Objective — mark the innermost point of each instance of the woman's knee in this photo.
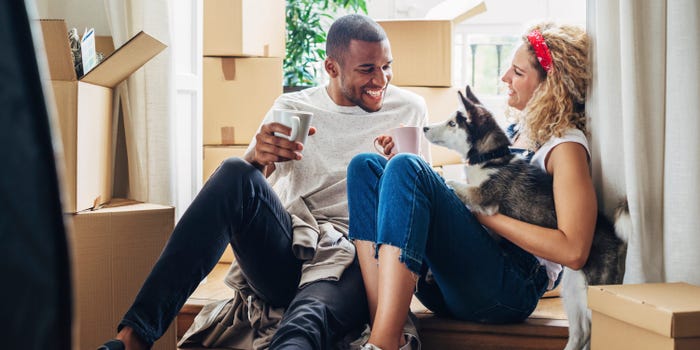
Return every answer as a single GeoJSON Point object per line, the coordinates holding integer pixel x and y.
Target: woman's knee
{"type": "Point", "coordinates": [405, 161]}
{"type": "Point", "coordinates": [365, 163]}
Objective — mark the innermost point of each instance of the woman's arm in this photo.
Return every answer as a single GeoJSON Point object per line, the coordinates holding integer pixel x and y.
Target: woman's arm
{"type": "Point", "coordinates": [576, 207]}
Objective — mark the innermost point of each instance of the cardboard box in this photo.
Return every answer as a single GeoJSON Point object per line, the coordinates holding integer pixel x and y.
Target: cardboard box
{"type": "Point", "coordinates": [422, 48]}
{"type": "Point", "coordinates": [441, 102]}
{"type": "Point", "coordinates": [114, 250]}
{"type": "Point", "coordinates": [214, 155]}
{"type": "Point", "coordinates": [244, 28]}
{"type": "Point", "coordinates": [84, 106]}
{"type": "Point", "coordinates": [655, 316]}
{"type": "Point", "coordinates": [237, 94]}
{"type": "Point", "coordinates": [104, 44]}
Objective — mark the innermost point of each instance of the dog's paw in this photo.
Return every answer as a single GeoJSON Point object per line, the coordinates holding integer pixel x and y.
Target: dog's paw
{"type": "Point", "coordinates": [485, 210]}
{"type": "Point", "coordinates": [456, 184]}
{"type": "Point", "coordinates": [461, 189]}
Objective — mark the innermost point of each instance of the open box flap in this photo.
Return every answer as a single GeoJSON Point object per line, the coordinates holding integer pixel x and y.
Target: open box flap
{"type": "Point", "coordinates": [124, 61]}
{"type": "Point", "coordinates": [57, 47]}
{"type": "Point", "coordinates": [456, 10]}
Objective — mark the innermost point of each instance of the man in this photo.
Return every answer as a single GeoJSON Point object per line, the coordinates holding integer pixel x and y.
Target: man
{"type": "Point", "coordinates": [259, 204]}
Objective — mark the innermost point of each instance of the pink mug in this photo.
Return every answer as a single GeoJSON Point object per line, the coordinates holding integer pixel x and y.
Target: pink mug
{"type": "Point", "coordinates": [406, 139]}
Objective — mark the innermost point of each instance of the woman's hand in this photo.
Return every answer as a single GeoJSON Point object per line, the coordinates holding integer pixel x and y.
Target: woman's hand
{"type": "Point", "coordinates": [576, 210]}
{"type": "Point", "coordinates": [386, 143]}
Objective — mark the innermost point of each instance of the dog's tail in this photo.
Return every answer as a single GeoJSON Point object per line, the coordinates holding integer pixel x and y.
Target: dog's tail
{"type": "Point", "coordinates": [623, 221]}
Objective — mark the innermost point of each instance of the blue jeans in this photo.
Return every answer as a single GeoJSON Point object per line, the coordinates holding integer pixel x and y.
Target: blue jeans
{"type": "Point", "coordinates": [237, 206]}
{"type": "Point", "coordinates": [404, 203]}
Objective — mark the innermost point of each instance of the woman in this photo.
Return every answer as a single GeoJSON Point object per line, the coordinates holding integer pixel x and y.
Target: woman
{"type": "Point", "coordinates": [405, 221]}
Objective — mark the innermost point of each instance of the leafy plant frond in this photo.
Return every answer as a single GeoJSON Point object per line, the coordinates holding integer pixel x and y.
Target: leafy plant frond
{"type": "Point", "coordinates": [306, 23]}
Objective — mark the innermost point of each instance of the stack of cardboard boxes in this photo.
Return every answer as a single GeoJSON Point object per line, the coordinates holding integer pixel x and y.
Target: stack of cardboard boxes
{"type": "Point", "coordinates": [114, 243]}
{"type": "Point", "coordinates": [242, 75]}
{"type": "Point", "coordinates": [244, 45]}
{"type": "Point", "coordinates": [423, 62]}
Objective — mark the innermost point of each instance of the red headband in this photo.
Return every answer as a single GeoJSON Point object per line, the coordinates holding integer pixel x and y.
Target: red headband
{"type": "Point", "coordinates": [541, 50]}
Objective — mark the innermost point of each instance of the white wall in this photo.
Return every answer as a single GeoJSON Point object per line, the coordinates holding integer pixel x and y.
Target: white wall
{"type": "Point", "coordinates": [77, 13]}
{"type": "Point", "coordinates": [498, 13]}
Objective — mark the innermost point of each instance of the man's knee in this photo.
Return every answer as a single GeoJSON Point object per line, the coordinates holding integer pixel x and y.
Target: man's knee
{"type": "Point", "coordinates": [234, 170]}
{"type": "Point", "coordinates": [236, 166]}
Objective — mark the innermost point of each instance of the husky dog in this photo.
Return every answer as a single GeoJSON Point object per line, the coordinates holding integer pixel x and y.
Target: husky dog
{"type": "Point", "coordinates": [500, 182]}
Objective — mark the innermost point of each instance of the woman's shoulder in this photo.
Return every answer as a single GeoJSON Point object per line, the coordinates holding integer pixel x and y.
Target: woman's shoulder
{"type": "Point", "coordinates": [570, 135]}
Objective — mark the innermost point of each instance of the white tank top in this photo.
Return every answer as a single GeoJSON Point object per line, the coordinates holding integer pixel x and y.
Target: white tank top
{"type": "Point", "coordinates": [571, 135]}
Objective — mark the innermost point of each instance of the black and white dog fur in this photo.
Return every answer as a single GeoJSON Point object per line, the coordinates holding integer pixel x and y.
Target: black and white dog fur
{"type": "Point", "coordinates": [500, 182]}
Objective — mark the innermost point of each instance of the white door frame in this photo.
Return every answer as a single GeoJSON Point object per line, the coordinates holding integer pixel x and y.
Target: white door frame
{"type": "Point", "coordinates": [187, 102]}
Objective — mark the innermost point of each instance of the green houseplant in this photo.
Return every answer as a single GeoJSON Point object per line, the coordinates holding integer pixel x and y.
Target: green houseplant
{"type": "Point", "coordinates": [307, 22]}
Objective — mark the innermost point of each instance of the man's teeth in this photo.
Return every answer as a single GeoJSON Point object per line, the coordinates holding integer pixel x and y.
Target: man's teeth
{"type": "Point", "coordinates": [374, 93]}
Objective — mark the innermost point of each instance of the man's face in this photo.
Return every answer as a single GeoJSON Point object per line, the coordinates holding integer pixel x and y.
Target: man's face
{"type": "Point", "coordinates": [364, 73]}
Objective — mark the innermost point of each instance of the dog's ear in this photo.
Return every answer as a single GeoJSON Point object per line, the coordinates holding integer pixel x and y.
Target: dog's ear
{"type": "Point", "coordinates": [469, 107]}
{"type": "Point", "coordinates": [471, 96]}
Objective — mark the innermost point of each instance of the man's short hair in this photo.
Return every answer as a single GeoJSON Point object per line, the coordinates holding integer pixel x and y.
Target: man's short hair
{"type": "Point", "coordinates": [351, 27]}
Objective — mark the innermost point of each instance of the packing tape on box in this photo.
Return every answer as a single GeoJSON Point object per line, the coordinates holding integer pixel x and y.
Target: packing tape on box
{"type": "Point", "coordinates": [228, 67]}
{"type": "Point", "coordinates": [228, 135]}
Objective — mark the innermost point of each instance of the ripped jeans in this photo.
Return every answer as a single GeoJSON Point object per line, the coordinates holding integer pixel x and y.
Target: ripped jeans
{"type": "Point", "coordinates": [405, 203]}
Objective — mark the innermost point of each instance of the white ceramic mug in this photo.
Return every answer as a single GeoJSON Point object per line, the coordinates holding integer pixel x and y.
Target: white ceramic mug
{"type": "Point", "coordinates": [406, 139]}
{"type": "Point", "coordinates": [298, 121]}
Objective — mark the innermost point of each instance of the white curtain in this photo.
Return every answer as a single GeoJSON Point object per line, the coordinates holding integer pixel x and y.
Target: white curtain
{"type": "Point", "coordinates": [146, 97]}
{"type": "Point", "coordinates": [645, 118]}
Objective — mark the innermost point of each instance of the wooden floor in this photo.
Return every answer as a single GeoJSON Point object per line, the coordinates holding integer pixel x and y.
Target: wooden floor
{"type": "Point", "coordinates": [547, 327]}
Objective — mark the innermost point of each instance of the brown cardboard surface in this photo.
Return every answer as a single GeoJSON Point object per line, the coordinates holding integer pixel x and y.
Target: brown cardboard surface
{"type": "Point", "coordinates": [94, 146]}
{"type": "Point", "coordinates": [441, 102]}
{"type": "Point", "coordinates": [85, 111]}
{"type": "Point", "coordinates": [611, 333]}
{"type": "Point", "coordinates": [239, 99]}
{"type": "Point", "coordinates": [111, 71]}
{"type": "Point", "coordinates": [124, 61]}
{"type": "Point", "coordinates": [668, 309]}
{"type": "Point", "coordinates": [235, 28]}
{"type": "Point", "coordinates": [66, 97]}
{"type": "Point", "coordinates": [57, 48]}
{"type": "Point", "coordinates": [104, 44]}
{"type": "Point", "coordinates": [422, 51]}
{"type": "Point", "coordinates": [114, 249]}
{"type": "Point", "coordinates": [214, 155]}
{"type": "Point", "coordinates": [422, 48]}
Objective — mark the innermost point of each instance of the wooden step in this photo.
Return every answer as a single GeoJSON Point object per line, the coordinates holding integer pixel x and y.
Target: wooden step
{"type": "Point", "coordinates": [546, 328]}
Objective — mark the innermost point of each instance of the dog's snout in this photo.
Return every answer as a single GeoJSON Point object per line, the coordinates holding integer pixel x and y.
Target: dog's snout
{"type": "Point", "coordinates": [425, 128]}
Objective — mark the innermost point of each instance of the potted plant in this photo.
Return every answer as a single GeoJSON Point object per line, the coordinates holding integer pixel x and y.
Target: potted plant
{"type": "Point", "coordinates": [307, 22]}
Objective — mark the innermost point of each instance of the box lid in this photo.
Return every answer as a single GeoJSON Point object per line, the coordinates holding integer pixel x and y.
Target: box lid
{"type": "Point", "coordinates": [111, 71]}
{"type": "Point", "coordinates": [669, 309]}
{"type": "Point", "coordinates": [124, 61]}
{"type": "Point", "coordinates": [456, 10]}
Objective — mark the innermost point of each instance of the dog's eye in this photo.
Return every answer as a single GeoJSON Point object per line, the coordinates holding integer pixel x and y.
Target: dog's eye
{"type": "Point", "coordinates": [452, 123]}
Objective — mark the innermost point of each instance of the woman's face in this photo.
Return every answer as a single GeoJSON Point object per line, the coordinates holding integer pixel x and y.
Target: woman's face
{"type": "Point", "coordinates": [522, 78]}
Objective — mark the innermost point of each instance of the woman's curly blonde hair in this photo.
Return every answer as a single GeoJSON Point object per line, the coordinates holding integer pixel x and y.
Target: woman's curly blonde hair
{"type": "Point", "coordinates": [558, 102]}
